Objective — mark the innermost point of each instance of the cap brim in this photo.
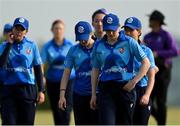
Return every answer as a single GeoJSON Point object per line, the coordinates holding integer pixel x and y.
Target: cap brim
{"type": "Point", "coordinates": [82, 37]}
{"type": "Point", "coordinates": [21, 25]}
{"type": "Point", "coordinates": [112, 28]}
{"type": "Point", "coordinates": [130, 26]}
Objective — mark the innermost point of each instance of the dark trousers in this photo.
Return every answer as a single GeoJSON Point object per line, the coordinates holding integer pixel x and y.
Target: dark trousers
{"type": "Point", "coordinates": [116, 105]}
{"type": "Point", "coordinates": [83, 114]}
{"type": "Point", "coordinates": [159, 94]}
{"type": "Point", "coordinates": [141, 112]}
{"type": "Point", "coordinates": [53, 90]}
{"type": "Point", "coordinates": [18, 104]}
{"type": "Point", "coordinates": [1, 85]}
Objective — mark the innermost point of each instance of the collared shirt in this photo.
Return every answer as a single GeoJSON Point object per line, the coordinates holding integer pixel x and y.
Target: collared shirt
{"type": "Point", "coordinates": [137, 65]}
{"type": "Point", "coordinates": [116, 61]}
{"type": "Point", "coordinates": [22, 57]}
{"type": "Point", "coordinates": [163, 43]}
{"type": "Point", "coordinates": [54, 55]}
{"type": "Point", "coordinates": [79, 57]}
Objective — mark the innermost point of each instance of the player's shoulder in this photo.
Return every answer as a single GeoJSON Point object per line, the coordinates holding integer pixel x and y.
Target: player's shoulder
{"type": "Point", "coordinates": [100, 42]}
{"type": "Point", "coordinates": [74, 48]}
{"type": "Point", "coordinates": [130, 40]}
{"type": "Point", "coordinates": [27, 40]}
{"type": "Point", "coordinates": [146, 49]}
{"type": "Point", "coordinates": [68, 42]}
{"type": "Point", "coordinates": [48, 44]}
{"type": "Point", "coordinates": [3, 43]}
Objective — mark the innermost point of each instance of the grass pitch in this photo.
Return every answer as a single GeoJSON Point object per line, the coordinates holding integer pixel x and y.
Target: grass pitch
{"type": "Point", "coordinates": [44, 117]}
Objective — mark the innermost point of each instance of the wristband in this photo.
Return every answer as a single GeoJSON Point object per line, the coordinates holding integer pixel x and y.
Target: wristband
{"type": "Point", "coordinates": [62, 90]}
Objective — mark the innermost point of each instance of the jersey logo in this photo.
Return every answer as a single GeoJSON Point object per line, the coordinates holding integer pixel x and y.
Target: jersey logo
{"type": "Point", "coordinates": [21, 20]}
{"type": "Point", "coordinates": [121, 50]}
{"type": "Point", "coordinates": [28, 51]}
{"type": "Point", "coordinates": [81, 29]}
{"type": "Point", "coordinates": [130, 20]}
{"type": "Point", "coordinates": [109, 20]}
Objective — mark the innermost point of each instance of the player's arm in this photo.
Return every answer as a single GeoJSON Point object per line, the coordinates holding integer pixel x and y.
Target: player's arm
{"type": "Point", "coordinates": [41, 87]}
{"type": "Point", "coordinates": [142, 72]}
{"type": "Point", "coordinates": [5, 53]}
{"type": "Point", "coordinates": [44, 68]}
{"type": "Point", "coordinates": [150, 84]}
{"type": "Point", "coordinates": [94, 81]}
{"type": "Point", "coordinates": [63, 85]}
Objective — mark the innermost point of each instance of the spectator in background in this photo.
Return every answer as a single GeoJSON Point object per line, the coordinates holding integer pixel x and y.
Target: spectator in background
{"type": "Point", "coordinates": [53, 55]}
{"type": "Point", "coordinates": [163, 45]}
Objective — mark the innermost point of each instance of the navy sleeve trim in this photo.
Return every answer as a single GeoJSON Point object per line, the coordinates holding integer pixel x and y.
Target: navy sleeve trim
{"type": "Point", "coordinates": [39, 78]}
{"type": "Point", "coordinates": [5, 54]}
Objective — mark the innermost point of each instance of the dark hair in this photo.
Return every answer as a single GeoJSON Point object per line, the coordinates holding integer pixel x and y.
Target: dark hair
{"type": "Point", "coordinates": [56, 22]}
{"type": "Point", "coordinates": [158, 16]}
{"type": "Point", "coordinates": [99, 11]}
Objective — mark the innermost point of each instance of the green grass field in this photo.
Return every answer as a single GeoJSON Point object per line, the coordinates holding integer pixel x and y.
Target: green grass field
{"type": "Point", "coordinates": [45, 117]}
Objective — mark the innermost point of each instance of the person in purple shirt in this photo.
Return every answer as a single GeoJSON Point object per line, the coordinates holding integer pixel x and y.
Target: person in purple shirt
{"type": "Point", "coordinates": [164, 49]}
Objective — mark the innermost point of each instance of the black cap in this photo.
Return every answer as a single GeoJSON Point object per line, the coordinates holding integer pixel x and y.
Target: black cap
{"type": "Point", "coordinates": [157, 15]}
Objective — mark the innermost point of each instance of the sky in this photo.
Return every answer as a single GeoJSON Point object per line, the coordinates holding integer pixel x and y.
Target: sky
{"type": "Point", "coordinates": [41, 13]}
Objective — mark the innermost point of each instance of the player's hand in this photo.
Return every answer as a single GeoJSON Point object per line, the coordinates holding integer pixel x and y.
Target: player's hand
{"type": "Point", "coordinates": [10, 38]}
{"type": "Point", "coordinates": [155, 54]}
{"type": "Point", "coordinates": [93, 102]}
{"type": "Point", "coordinates": [62, 103]}
{"type": "Point", "coordinates": [41, 97]}
{"type": "Point", "coordinates": [144, 100]}
{"type": "Point", "coordinates": [129, 86]}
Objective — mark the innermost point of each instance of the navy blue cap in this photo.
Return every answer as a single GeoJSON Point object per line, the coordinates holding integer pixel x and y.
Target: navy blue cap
{"type": "Point", "coordinates": [110, 22]}
{"type": "Point", "coordinates": [21, 21]}
{"type": "Point", "coordinates": [7, 28]}
{"type": "Point", "coordinates": [133, 23]}
{"type": "Point", "coordinates": [82, 31]}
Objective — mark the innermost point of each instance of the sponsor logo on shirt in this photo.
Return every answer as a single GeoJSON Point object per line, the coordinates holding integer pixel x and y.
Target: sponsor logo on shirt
{"type": "Point", "coordinates": [116, 69]}
{"type": "Point", "coordinates": [84, 74]}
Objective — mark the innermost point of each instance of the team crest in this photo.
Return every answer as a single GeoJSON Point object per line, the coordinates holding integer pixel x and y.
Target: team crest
{"type": "Point", "coordinates": [81, 29]}
{"type": "Point", "coordinates": [130, 20]}
{"type": "Point", "coordinates": [109, 20]}
{"type": "Point", "coordinates": [28, 51]}
{"type": "Point", "coordinates": [21, 20]}
{"type": "Point", "coordinates": [121, 50]}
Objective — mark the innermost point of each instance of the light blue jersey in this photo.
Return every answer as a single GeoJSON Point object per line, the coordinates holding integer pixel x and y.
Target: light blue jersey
{"type": "Point", "coordinates": [54, 56]}
{"type": "Point", "coordinates": [116, 61]}
{"type": "Point", "coordinates": [22, 57]}
{"type": "Point", "coordinates": [80, 58]}
{"type": "Point", "coordinates": [137, 65]}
